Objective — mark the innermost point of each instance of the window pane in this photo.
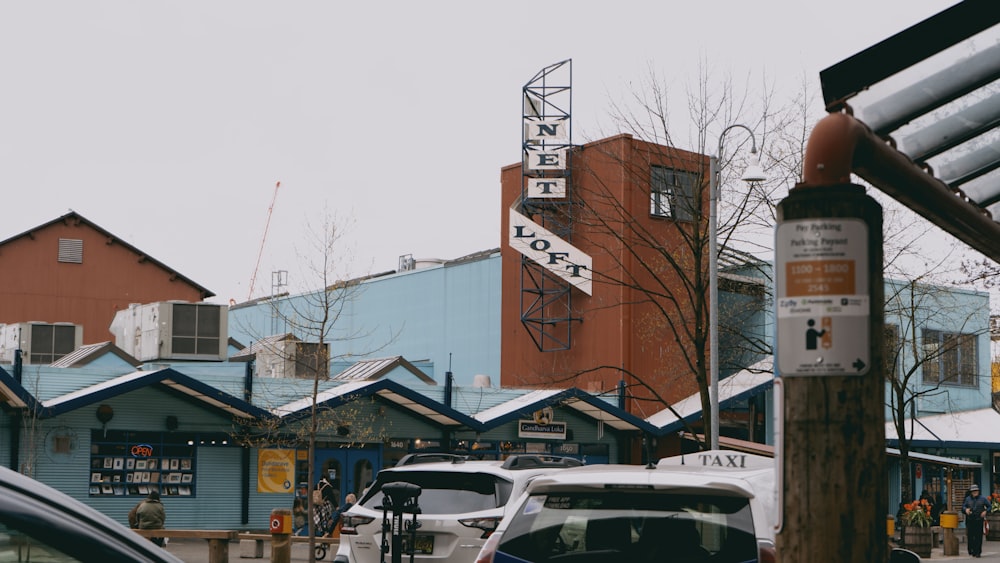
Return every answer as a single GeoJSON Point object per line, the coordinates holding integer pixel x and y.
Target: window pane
{"type": "Point", "coordinates": [931, 359]}
{"type": "Point", "coordinates": [617, 525]}
{"type": "Point", "coordinates": [672, 193]}
{"type": "Point", "coordinates": [969, 359]}
{"type": "Point", "coordinates": [32, 540]}
{"type": "Point", "coordinates": [445, 492]}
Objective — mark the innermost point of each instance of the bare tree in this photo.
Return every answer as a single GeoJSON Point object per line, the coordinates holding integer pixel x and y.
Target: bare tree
{"type": "Point", "coordinates": [930, 339]}
{"type": "Point", "coordinates": [315, 324]}
{"type": "Point", "coordinates": [667, 276]}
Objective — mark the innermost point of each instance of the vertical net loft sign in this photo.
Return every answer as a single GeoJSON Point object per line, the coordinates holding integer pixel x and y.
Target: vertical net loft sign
{"type": "Point", "coordinates": [823, 295]}
{"type": "Point", "coordinates": [545, 166]}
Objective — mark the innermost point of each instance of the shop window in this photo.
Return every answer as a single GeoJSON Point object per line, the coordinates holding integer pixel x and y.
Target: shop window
{"type": "Point", "coordinates": [135, 463]}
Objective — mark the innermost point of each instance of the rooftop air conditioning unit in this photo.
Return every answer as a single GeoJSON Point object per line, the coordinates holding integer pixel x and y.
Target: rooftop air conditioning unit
{"type": "Point", "coordinates": [40, 343]}
{"type": "Point", "coordinates": [407, 263]}
{"type": "Point", "coordinates": [293, 358]}
{"type": "Point", "coordinates": [172, 330]}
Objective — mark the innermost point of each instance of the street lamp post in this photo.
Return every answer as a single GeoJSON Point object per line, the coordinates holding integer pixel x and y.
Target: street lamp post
{"type": "Point", "coordinates": [752, 174]}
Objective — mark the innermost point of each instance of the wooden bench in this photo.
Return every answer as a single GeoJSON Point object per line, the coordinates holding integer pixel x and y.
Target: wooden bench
{"type": "Point", "coordinates": [218, 540]}
{"type": "Point", "coordinates": [259, 539]}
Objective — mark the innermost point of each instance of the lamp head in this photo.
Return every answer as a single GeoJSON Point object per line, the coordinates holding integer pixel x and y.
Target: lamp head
{"type": "Point", "coordinates": [753, 173]}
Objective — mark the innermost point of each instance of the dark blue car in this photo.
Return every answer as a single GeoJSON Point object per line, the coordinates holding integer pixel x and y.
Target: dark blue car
{"type": "Point", "coordinates": [39, 523]}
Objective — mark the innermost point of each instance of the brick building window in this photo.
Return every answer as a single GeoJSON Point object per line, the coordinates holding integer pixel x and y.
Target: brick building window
{"type": "Point", "coordinates": [672, 193]}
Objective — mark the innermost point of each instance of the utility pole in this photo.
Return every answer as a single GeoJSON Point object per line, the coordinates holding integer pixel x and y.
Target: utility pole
{"type": "Point", "coordinates": [830, 315]}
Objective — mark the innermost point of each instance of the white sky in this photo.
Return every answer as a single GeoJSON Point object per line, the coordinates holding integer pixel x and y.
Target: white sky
{"type": "Point", "coordinates": [169, 123]}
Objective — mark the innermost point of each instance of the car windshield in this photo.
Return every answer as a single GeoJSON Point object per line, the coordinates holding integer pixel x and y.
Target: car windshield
{"type": "Point", "coordinates": [445, 492]}
{"type": "Point", "coordinates": [634, 525]}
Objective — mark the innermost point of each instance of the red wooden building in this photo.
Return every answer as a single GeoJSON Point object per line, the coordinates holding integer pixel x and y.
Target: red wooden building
{"type": "Point", "coordinates": [71, 270]}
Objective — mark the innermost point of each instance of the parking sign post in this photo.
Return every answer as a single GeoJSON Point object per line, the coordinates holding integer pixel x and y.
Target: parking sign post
{"type": "Point", "coordinates": [829, 308]}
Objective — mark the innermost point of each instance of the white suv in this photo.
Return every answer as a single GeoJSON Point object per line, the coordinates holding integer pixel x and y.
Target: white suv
{"type": "Point", "coordinates": [714, 506]}
{"type": "Point", "coordinates": [461, 502]}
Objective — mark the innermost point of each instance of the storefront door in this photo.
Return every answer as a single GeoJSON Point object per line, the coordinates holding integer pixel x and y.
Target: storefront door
{"type": "Point", "coordinates": [349, 470]}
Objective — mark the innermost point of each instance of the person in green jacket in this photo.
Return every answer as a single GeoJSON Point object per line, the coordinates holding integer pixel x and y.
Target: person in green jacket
{"type": "Point", "coordinates": [151, 515]}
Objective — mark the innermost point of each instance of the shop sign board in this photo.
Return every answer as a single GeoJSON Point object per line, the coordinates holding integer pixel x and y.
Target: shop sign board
{"type": "Point", "coordinates": [532, 429]}
{"type": "Point", "coordinates": [275, 470]}
{"type": "Point", "coordinates": [823, 297]}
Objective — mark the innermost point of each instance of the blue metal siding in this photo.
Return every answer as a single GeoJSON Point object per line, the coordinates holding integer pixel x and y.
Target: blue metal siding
{"type": "Point", "coordinates": [216, 481]}
{"type": "Point", "coordinates": [449, 315]}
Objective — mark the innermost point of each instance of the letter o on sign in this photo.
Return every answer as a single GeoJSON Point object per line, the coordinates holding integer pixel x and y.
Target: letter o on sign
{"type": "Point", "coordinates": [276, 523]}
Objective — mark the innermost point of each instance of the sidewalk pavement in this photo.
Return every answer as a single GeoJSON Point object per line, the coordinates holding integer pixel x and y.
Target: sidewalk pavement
{"type": "Point", "coordinates": [192, 550]}
{"type": "Point", "coordinates": [991, 553]}
{"type": "Point", "coordinates": [196, 551]}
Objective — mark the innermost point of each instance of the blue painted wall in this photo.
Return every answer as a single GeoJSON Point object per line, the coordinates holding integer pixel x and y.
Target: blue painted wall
{"type": "Point", "coordinates": [445, 315]}
{"type": "Point", "coordinates": [945, 309]}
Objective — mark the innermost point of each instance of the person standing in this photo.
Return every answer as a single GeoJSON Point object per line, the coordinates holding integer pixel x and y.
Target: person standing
{"type": "Point", "coordinates": [324, 504]}
{"type": "Point", "coordinates": [151, 515]}
{"type": "Point", "coordinates": [974, 507]}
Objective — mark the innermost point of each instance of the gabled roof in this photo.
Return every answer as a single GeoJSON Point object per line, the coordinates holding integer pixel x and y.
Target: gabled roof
{"type": "Point", "coordinates": [740, 385]}
{"type": "Point", "coordinates": [74, 216]}
{"type": "Point", "coordinates": [581, 401]}
{"type": "Point", "coordinates": [90, 352]}
{"type": "Point", "coordinates": [369, 370]}
{"type": "Point", "coordinates": [385, 388]}
{"type": "Point", "coordinates": [168, 377]}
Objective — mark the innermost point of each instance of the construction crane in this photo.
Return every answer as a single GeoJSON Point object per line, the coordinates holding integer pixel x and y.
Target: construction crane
{"type": "Point", "coordinates": [263, 239]}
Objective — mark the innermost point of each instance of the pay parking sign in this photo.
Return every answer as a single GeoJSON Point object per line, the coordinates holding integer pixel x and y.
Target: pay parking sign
{"type": "Point", "coordinates": [823, 297]}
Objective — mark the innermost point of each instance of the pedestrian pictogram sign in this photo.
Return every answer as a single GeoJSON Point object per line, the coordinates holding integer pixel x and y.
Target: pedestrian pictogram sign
{"type": "Point", "coordinates": [823, 297]}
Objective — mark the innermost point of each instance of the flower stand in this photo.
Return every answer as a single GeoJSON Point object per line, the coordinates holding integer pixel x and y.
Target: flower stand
{"type": "Point", "coordinates": [918, 540]}
{"type": "Point", "coordinates": [994, 520]}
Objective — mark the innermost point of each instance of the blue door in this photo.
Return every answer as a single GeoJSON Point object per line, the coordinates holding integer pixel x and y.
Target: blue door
{"type": "Point", "coordinates": [350, 470]}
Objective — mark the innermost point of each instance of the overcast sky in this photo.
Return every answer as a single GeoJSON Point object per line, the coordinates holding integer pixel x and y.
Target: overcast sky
{"type": "Point", "coordinates": [169, 123]}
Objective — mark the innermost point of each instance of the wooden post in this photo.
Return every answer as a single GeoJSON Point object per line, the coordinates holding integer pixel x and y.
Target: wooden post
{"type": "Point", "coordinates": [218, 551]}
{"type": "Point", "coordinates": [281, 535]}
{"type": "Point", "coordinates": [834, 498]}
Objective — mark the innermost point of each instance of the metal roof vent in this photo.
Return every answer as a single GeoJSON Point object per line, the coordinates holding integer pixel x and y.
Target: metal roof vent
{"type": "Point", "coordinates": [71, 250]}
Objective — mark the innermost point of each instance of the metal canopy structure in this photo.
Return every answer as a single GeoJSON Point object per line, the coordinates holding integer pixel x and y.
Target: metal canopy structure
{"type": "Point", "coordinates": [920, 113]}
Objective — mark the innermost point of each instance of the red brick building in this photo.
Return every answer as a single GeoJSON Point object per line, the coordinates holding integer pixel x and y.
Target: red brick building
{"type": "Point", "coordinates": [70, 270]}
{"type": "Point", "coordinates": [623, 195]}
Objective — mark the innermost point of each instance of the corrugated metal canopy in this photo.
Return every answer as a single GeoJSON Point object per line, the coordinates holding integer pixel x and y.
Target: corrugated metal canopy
{"type": "Point", "coordinates": [13, 395]}
{"type": "Point", "coordinates": [975, 428]}
{"type": "Point", "coordinates": [933, 92]}
{"type": "Point", "coordinates": [581, 401]}
{"type": "Point", "coordinates": [169, 378]}
{"type": "Point", "coordinates": [388, 390]}
{"type": "Point", "coordinates": [750, 381]}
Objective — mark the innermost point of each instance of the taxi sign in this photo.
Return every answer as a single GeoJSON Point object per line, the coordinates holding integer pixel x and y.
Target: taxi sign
{"type": "Point", "coordinates": [718, 460]}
